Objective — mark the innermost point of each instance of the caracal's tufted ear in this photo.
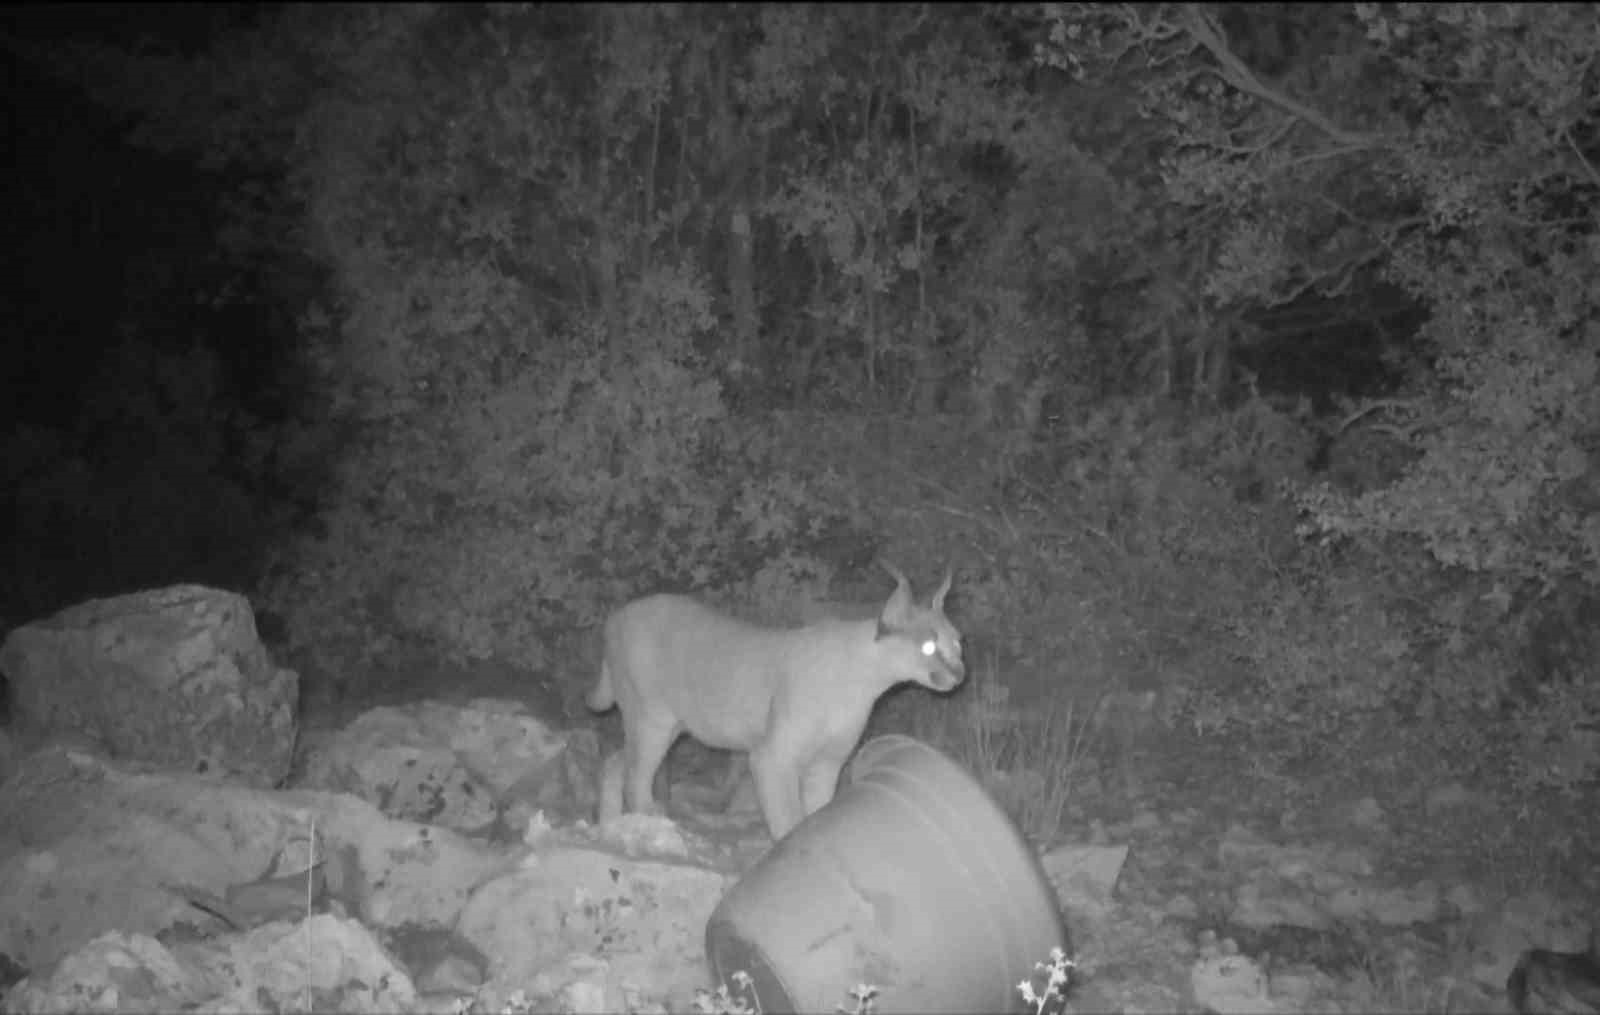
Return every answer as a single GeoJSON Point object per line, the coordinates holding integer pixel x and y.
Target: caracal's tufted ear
{"type": "Point", "coordinates": [895, 573]}
{"type": "Point", "coordinates": [898, 608]}
{"type": "Point", "coordinates": [937, 604]}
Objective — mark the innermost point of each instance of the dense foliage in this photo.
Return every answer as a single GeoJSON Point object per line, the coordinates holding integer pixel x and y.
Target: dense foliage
{"type": "Point", "coordinates": [575, 255]}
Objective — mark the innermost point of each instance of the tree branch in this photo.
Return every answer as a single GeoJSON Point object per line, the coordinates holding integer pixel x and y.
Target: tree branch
{"type": "Point", "coordinates": [1587, 166]}
{"type": "Point", "coordinates": [1204, 30]}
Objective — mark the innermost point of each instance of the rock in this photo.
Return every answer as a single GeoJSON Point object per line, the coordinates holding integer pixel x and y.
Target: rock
{"type": "Point", "coordinates": [624, 922]}
{"type": "Point", "coordinates": [173, 676]}
{"type": "Point", "coordinates": [334, 964]}
{"type": "Point", "coordinates": [111, 849]}
{"type": "Point", "coordinates": [1566, 982]}
{"type": "Point", "coordinates": [1497, 939]}
{"type": "Point", "coordinates": [1084, 877]}
{"type": "Point", "coordinates": [1231, 985]}
{"type": "Point", "coordinates": [459, 767]}
{"type": "Point", "coordinates": [114, 972]}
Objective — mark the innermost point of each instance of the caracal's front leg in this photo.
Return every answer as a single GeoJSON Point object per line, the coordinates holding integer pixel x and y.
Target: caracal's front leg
{"type": "Point", "coordinates": [819, 783]}
{"type": "Point", "coordinates": [778, 790]}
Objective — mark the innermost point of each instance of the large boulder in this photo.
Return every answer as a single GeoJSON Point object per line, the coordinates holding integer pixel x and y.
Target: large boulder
{"type": "Point", "coordinates": [174, 676]}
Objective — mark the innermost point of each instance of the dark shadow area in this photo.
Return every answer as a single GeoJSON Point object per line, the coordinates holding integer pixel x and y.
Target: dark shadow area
{"type": "Point", "coordinates": [153, 371]}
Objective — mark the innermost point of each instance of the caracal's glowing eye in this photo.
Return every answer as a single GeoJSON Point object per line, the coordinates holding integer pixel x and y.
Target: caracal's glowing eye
{"type": "Point", "coordinates": [930, 648]}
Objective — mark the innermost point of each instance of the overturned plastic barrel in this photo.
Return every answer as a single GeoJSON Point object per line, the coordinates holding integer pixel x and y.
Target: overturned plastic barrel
{"type": "Point", "coordinates": [911, 880]}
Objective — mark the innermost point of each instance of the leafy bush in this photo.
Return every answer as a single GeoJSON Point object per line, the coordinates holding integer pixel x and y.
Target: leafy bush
{"type": "Point", "coordinates": [1503, 493]}
{"type": "Point", "coordinates": [603, 469]}
{"type": "Point", "coordinates": [1449, 150]}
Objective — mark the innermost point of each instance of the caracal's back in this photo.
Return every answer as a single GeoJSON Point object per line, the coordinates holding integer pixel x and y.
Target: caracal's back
{"type": "Point", "coordinates": [715, 674]}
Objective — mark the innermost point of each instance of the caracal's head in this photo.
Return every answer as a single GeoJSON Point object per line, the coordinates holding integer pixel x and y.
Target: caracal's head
{"type": "Point", "coordinates": [920, 643]}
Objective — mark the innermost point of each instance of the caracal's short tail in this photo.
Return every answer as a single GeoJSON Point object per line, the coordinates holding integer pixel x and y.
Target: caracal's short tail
{"type": "Point", "coordinates": [601, 697]}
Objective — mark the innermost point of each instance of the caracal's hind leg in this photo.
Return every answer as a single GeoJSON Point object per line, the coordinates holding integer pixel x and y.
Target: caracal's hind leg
{"type": "Point", "coordinates": [645, 746]}
{"type": "Point", "coordinates": [732, 780]}
{"type": "Point", "coordinates": [612, 774]}
{"type": "Point", "coordinates": [818, 784]}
